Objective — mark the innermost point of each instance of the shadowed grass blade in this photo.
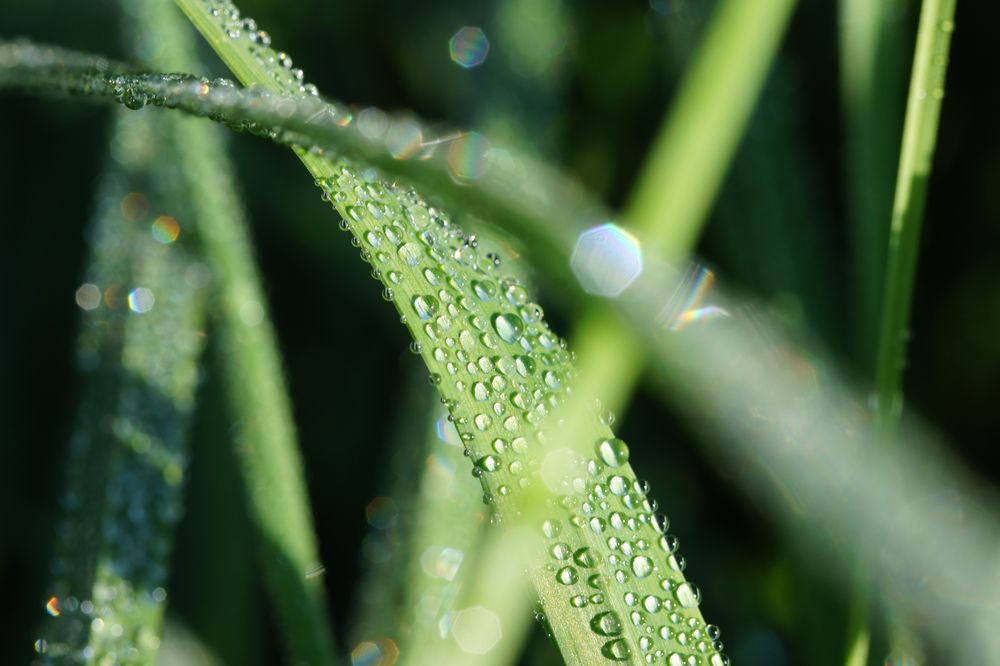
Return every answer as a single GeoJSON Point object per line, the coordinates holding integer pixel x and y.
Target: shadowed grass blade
{"type": "Point", "coordinates": [264, 433]}
{"type": "Point", "coordinates": [139, 348]}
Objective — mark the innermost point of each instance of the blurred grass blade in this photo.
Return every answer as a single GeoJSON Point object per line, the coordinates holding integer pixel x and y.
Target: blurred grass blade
{"type": "Point", "coordinates": [872, 84]}
{"type": "Point", "coordinates": [430, 528]}
{"type": "Point", "coordinates": [264, 433]}
{"type": "Point", "coordinates": [670, 202]}
{"type": "Point", "coordinates": [138, 349]}
{"type": "Point", "coordinates": [923, 109]}
{"type": "Point", "coordinates": [691, 154]}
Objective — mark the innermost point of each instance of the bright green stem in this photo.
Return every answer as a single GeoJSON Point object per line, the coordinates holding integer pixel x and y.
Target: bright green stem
{"type": "Point", "coordinates": [501, 371]}
{"type": "Point", "coordinates": [923, 109]}
{"type": "Point", "coordinates": [264, 437]}
{"type": "Point", "coordinates": [687, 163]}
{"type": "Point", "coordinates": [691, 153]}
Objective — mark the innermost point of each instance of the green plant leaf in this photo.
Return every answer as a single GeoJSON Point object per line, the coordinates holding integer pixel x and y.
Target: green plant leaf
{"type": "Point", "coordinates": [138, 351]}
{"type": "Point", "coordinates": [501, 372]}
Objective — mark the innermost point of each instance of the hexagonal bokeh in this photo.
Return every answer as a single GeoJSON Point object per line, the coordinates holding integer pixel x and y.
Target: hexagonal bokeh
{"type": "Point", "coordinates": [469, 47]}
{"type": "Point", "coordinates": [606, 260]}
{"type": "Point", "coordinates": [476, 630]}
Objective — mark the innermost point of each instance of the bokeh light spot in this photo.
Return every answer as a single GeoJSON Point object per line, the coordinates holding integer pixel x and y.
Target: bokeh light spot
{"type": "Point", "coordinates": [403, 140]}
{"type": "Point", "coordinates": [381, 512]}
{"type": "Point", "coordinates": [141, 300]}
{"type": "Point", "coordinates": [165, 229]}
{"type": "Point", "coordinates": [88, 296]}
{"type": "Point", "coordinates": [469, 47]}
{"type": "Point", "coordinates": [52, 607]}
{"type": "Point", "coordinates": [606, 260]}
{"type": "Point", "coordinates": [476, 630]}
{"type": "Point", "coordinates": [134, 206]}
{"type": "Point", "coordinates": [467, 156]}
{"type": "Point", "coordinates": [440, 562]}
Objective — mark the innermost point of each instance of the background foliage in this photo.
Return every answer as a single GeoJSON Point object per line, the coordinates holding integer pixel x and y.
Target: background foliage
{"type": "Point", "coordinates": [779, 231]}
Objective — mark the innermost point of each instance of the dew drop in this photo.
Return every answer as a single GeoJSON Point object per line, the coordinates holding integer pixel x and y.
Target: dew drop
{"type": "Point", "coordinates": [567, 576]}
{"type": "Point", "coordinates": [688, 595]}
{"type": "Point", "coordinates": [616, 650]}
{"type": "Point", "coordinates": [409, 253]}
{"type": "Point", "coordinates": [606, 624]}
{"type": "Point", "coordinates": [508, 326]}
{"type": "Point", "coordinates": [425, 306]}
{"type": "Point", "coordinates": [613, 451]}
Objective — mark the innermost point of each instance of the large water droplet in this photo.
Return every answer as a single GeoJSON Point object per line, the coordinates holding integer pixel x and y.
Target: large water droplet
{"type": "Point", "coordinates": [606, 624]}
{"type": "Point", "coordinates": [567, 576]}
{"type": "Point", "coordinates": [642, 566]}
{"type": "Point", "coordinates": [508, 326]}
{"type": "Point", "coordinates": [688, 595]}
{"type": "Point", "coordinates": [409, 253]}
{"type": "Point", "coordinates": [616, 650]}
{"type": "Point", "coordinates": [425, 306]}
{"type": "Point", "coordinates": [613, 451]}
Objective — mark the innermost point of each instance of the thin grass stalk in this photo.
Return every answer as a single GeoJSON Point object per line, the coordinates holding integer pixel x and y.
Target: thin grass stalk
{"type": "Point", "coordinates": [923, 111]}
{"type": "Point", "coordinates": [264, 433]}
{"type": "Point", "coordinates": [872, 84]}
{"type": "Point", "coordinates": [670, 203]}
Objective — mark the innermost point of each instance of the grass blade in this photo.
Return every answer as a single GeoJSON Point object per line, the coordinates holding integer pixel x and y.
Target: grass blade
{"type": "Point", "coordinates": [138, 349]}
{"type": "Point", "coordinates": [919, 139]}
{"type": "Point", "coordinates": [923, 108]}
{"type": "Point", "coordinates": [435, 273]}
{"type": "Point", "coordinates": [264, 436]}
{"type": "Point", "coordinates": [872, 65]}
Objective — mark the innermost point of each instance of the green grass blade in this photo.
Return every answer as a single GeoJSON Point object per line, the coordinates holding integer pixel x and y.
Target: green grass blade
{"type": "Point", "coordinates": [689, 158]}
{"type": "Point", "coordinates": [688, 161]}
{"type": "Point", "coordinates": [138, 349]}
{"type": "Point", "coordinates": [919, 139]}
{"type": "Point", "coordinates": [264, 438]}
{"type": "Point", "coordinates": [446, 288]}
{"type": "Point", "coordinates": [440, 523]}
{"type": "Point", "coordinates": [872, 84]}
{"type": "Point", "coordinates": [923, 108]}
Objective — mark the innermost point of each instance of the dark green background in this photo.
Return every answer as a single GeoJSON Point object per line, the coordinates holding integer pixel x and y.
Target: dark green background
{"type": "Point", "coordinates": [779, 231]}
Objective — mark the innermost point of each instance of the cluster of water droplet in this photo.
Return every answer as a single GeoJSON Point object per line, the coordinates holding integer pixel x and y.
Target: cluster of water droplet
{"type": "Point", "coordinates": [501, 373]}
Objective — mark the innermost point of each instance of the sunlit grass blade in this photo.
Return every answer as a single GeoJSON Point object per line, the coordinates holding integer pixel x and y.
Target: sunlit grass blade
{"type": "Point", "coordinates": [856, 480]}
{"type": "Point", "coordinates": [919, 139]}
{"type": "Point", "coordinates": [139, 351]}
{"type": "Point", "coordinates": [923, 109]}
{"type": "Point", "coordinates": [264, 433]}
{"type": "Point", "coordinates": [501, 372]}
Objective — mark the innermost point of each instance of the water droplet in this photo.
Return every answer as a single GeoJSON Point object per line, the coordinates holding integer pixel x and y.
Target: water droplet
{"type": "Point", "coordinates": [508, 326]}
{"type": "Point", "coordinates": [489, 463]}
{"type": "Point", "coordinates": [425, 306]}
{"type": "Point", "coordinates": [410, 253]}
{"type": "Point", "coordinates": [614, 452]}
{"type": "Point", "coordinates": [567, 576]}
{"type": "Point", "coordinates": [642, 566]}
{"type": "Point", "coordinates": [688, 595]}
{"type": "Point", "coordinates": [616, 650]}
{"type": "Point", "coordinates": [606, 624]}
{"type": "Point", "coordinates": [584, 558]}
